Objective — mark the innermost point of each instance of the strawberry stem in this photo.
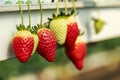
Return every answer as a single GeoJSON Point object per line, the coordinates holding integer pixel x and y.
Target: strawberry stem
{"type": "Point", "coordinates": [66, 6]}
{"type": "Point", "coordinates": [97, 8]}
{"type": "Point", "coordinates": [40, 5]}
{"type": "Point", "coordinates": [29, 12]}
{"type": "Point", "coordinates": [74, 7]}
{"type": "Point", "coordinates": [21, 12]}
{"type": "Point", "coordinates": [57, 7]}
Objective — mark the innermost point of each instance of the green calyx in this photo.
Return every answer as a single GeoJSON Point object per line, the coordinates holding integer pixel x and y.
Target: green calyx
{"type": "Point", "coordinates": [73, 12]}
{"type": "Point", "coordinates": [81, 33]}
{"type": "Point", "coordinates": [62, 14]}
{"type": "Point", "coordinates": [22, 27]}
{"type": "Point", "coordinates": [40, 25]}
{"type": "Point", "coordinates": [35, 29]}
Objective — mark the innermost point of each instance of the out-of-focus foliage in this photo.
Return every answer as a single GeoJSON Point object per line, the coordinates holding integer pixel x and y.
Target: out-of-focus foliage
{"type": "Point", "coordinates": [103, 45]}
{"type": "Point", "coordinates": [13, 67]}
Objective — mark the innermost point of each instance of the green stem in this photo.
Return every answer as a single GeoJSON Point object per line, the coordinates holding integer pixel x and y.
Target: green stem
{"type": "Point", "coordinates": [97, 8]}
{"type": "Point", "coordinates": [74, 7]}
{"type": "Point", "coordinates": [29, 12]}
{"type": "Point", "coordinates": [66, 7]}
{"type": "Point", "coordinates": [57, 6]}
{"type": "Point", "coordinates": [39, 1]}
{"type": "Point", "coordinates": [21, 12]}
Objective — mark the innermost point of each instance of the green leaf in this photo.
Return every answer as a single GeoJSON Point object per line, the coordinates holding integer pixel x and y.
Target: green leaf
{"type": "Point", "coordinates": [62, 13]}
{"type": "Point", "coordinates": [72, 11]}
{"type": "Point", "coordinates": [20, 2]}
{"type": "Point", "coordinates": [49, 19]}
{"type": "Point", "coordinates": [30, 2]}
{"type": "Point", "coordinates": [8, 2]}
{"type": "Point", "coordinates": [54, 16]}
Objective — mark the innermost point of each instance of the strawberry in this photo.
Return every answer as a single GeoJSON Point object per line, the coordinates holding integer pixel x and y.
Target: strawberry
{"type": "Point", "coordinates": [72, 26]}
{"type": "Point", "coordinates": [59, 27]}
{"type": "Point", "coordinates": [47, 44]}
{"type": "Point", "coordinates": [72, 31]}
{"type": "Point", "coordinates": [47, 40]}
{"type": "Point", "coordinates": [98, 25]}
{"type": "Point", "coordinates": [77, 53]}
{"type": "Point", "coordinates": [22, 44]}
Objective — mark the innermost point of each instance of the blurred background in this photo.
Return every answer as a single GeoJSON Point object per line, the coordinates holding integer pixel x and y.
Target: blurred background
{"type": "Point", "coordinates": [102, 61]}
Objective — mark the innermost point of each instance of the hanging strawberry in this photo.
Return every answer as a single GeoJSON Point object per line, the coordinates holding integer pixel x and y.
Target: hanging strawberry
{"type": "Point", "coordinates": [33, 33]}
{"type": "Point", "coordinates": [98, 22]}
{"type": "Point", "coordinates": [72, 26]}
{"type": "Point", "coordinates": [23, 44]}
{"type": "Point", "coordinates": [47, 44]}
{"type": "Point", "coordinates": [47, 40]}
{"type": "Point", "coordinates": [23, 41]}
{"type": "Point", "coordinates": [59, 26]}
{"type": "Point", "coordinates": [77, 53]}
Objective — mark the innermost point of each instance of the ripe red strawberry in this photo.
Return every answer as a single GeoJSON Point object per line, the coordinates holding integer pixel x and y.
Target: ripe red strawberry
{"type": "Point", "coordinates": [72, 31]}
{"type": "Point", "coordinates": [22, 44]}
{"type": "Point", "coordinates": [77, 53]}
{"type": "Point", "coordinates": [47, 44]}
{"type": "Point", "coordinates": [47, 40]}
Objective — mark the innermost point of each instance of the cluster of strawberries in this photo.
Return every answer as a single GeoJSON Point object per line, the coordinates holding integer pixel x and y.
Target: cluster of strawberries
{"type": "Point", "coordinates": [61, 30]}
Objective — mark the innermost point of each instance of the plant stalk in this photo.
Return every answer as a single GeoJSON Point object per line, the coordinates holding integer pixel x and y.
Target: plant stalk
{"type": "Point", "coordinates": [40, 5]}
{"type": "Point", "coordinates": [29, 12]}
{"type": "Point", "coordinates": [66, 6]}
{"type": "Point", "coordinates": [97, 8]}
{"type": "Point", "coordinates": [74, 7]}
{"type": "Point", "coordinates": [57, 7]}
{"type": "Point", "coordinates": [21, 12]}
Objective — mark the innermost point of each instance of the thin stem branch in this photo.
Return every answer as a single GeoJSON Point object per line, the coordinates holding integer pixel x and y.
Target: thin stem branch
{"type": "Point", "coordinates": [29, 12]}
{"type": "Point", "coordinates": [57, 6]}
{"type": "Point", "coordinates": [66, 6]}
{"type": "Point", "coordinates": [97, 8]}
{"type": "Point", "coordinates": [21, 12]}
{"type": "Point", "coordinates": [39, 1]}
{"type": "Point", "coordinates": [74, 7]}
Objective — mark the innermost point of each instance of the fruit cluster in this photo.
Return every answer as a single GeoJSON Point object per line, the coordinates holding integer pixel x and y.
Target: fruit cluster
{"type": "Point", "coordinates": [61, 30]}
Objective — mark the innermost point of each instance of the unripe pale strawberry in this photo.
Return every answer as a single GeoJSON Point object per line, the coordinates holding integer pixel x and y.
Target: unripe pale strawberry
{"type": "Point", "coordinates": [35, 43]}
{"type": "Point", "coordinates": [59, 26]}
{"type": "Point", "coordinates": [98, 25]}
